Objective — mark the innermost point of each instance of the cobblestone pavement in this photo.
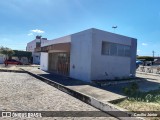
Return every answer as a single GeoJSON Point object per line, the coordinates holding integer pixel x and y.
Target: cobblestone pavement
{"type": "Point", "coordinates": [22, 92]}
{"type": "Point", "coordinates": [9, 67]}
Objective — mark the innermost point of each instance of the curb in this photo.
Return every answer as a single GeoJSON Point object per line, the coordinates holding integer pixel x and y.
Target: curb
{"type": "Point", "coordinates": [16, 71]}
{"type": "Point", "coordinates": [105, 107]}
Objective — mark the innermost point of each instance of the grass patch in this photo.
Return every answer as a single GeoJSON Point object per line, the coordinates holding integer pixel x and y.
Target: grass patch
{"type": "Point", "coordinates": [140, 106]}
{"type": "Point", "coordinates": [140, 101]}
{"type": "Point", "coordinates": [134, 94]}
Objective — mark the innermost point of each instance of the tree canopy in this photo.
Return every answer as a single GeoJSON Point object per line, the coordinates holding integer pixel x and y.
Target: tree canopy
{"type": "Point", "coordinates": [20, 54]}
{"type": "Point", "coordinates": [6, 51]}
{"type": "Point", "coordinates": [17, 53]}
{"type": "Point", "coordinates": [145, 58]}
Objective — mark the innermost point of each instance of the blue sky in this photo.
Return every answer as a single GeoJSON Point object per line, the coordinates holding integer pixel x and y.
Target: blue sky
{"type": "Point", "coordinates": [22, 20]}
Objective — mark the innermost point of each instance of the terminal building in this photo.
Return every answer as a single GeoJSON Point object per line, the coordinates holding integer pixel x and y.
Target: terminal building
{"type": "Point", "coordinates": [91, 54]}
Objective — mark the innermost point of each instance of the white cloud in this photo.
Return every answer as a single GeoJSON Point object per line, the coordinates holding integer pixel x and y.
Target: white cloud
{"type": "Point", "coordinates": [37, 31]}
{"type": "Point", "coordinates": [144, 44]}
{"type": "Point", "coordinates": [30, 34]}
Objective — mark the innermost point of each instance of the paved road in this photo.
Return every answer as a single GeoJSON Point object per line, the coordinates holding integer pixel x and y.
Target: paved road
{"type": "Point", "coordinates": [22, 92]}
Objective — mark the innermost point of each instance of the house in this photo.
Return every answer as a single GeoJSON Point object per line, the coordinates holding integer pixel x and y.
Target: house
{"type": "Point", "coordinates": [31, 48]}
{"type": "Point", "coordinates": [92, 54]}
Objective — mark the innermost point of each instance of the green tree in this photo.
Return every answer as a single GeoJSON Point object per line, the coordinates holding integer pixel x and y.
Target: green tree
{"type": "Point", "coordinates": [145, 58]}
{"type": "Point", "coordinates": [6, 51]}
{"type": "Point", "coordinates": [20, 54]}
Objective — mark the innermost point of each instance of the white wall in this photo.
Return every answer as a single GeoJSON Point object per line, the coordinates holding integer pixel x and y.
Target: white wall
{"type": "Point", "coordinates": [36, 57]}
{"type": "Point", "coordinates": [80, 55]}
{"type": "Point", "coordinates": [32, 45]}
{"type": "Point", "coordinates": [44, 61]}
{"type": "Point", "coordinates": [90, 64]}
{"type": "Point", "coordinates": [115, 66]}
{"type": "Point", "coordinates": [2, 58]}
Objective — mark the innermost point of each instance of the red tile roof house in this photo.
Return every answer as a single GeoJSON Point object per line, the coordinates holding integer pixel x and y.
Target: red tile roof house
{"type": "Point", "coordinates": [91, 54]}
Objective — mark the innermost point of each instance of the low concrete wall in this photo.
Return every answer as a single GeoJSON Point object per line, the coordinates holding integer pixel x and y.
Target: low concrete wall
{"type": "Point", "coordinates": [105, 107]}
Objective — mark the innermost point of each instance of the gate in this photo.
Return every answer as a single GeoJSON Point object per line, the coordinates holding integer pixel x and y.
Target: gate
{"type": "Point", "coordinates": [59, 63]}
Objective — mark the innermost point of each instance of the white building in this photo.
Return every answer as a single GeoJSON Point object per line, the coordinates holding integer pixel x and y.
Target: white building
{"type": "Point", "coordinates": [90, 55]}
{"type": "Point", "coordinates": [2, 58]}
{"type": "Point", "coordinates": [35, 44]}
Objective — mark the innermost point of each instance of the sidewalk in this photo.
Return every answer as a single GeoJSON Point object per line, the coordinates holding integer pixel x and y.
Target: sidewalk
{"type": "Point", "coordinates": [77, 85]}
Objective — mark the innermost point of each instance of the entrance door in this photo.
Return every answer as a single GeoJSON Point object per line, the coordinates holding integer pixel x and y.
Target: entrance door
{"type": "Point", "coordinates": [53, 59]}
{"type": "Point", "coordinates": [59, 63]}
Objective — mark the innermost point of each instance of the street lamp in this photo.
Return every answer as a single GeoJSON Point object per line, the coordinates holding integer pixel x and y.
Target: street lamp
{"type": "Point", "coordinates": [114, 27]}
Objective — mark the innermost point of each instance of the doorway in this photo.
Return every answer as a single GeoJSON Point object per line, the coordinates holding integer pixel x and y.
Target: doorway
{"type": "Point", "coordinates": [59, 63]}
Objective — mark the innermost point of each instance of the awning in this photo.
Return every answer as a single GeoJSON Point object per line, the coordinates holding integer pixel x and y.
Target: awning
{"type": "Point", "coordinates": [59, 46]}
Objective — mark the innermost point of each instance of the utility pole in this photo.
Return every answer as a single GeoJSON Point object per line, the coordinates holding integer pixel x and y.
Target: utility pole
{"type": "Point", "coordinates": [153, 53]}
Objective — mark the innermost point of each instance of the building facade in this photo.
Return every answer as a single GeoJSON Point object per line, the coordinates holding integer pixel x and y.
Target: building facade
{"type": "Point", "coordinates": [31, 46]}
{"type": "Point", "coordinates": [90, 55]}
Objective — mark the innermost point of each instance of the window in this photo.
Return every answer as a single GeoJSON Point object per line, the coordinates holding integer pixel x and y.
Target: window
{"type": "Point", "coordinates": [120, 50]}
{"type": "Point", "coordinates": [115, 49]}
{"type": "Point", "coordinates": [105, 48]}
{"type": "Point", "coordinates": [127, 51]}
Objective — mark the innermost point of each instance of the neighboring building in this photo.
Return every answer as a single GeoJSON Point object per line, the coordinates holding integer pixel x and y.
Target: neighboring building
{"type": "Point", "coordinates": [157, 61]}
{"type": "Point", "coordinates": [31, 48]}
{"type": "Point", "coordinates": [90, 55]}
{"type": "Point", "coordinates": [2, 58]}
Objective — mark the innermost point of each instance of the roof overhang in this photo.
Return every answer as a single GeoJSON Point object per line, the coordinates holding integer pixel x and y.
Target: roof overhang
{"type": "Point", "coordinates": [57, 47]}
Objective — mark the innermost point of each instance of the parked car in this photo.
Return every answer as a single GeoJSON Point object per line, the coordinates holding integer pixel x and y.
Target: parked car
{"type": "Point", "coordinates": [138, 62]}
{"type": "Point", "coordinates": [12, 61]}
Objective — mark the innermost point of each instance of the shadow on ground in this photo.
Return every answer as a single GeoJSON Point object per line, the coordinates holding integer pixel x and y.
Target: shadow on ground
{"type": "Point", "coordinates": [144, 84]}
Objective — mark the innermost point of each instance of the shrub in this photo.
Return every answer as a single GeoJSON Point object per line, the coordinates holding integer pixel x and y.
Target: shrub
{"type": "Point", "coordinates": [131, 90]}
